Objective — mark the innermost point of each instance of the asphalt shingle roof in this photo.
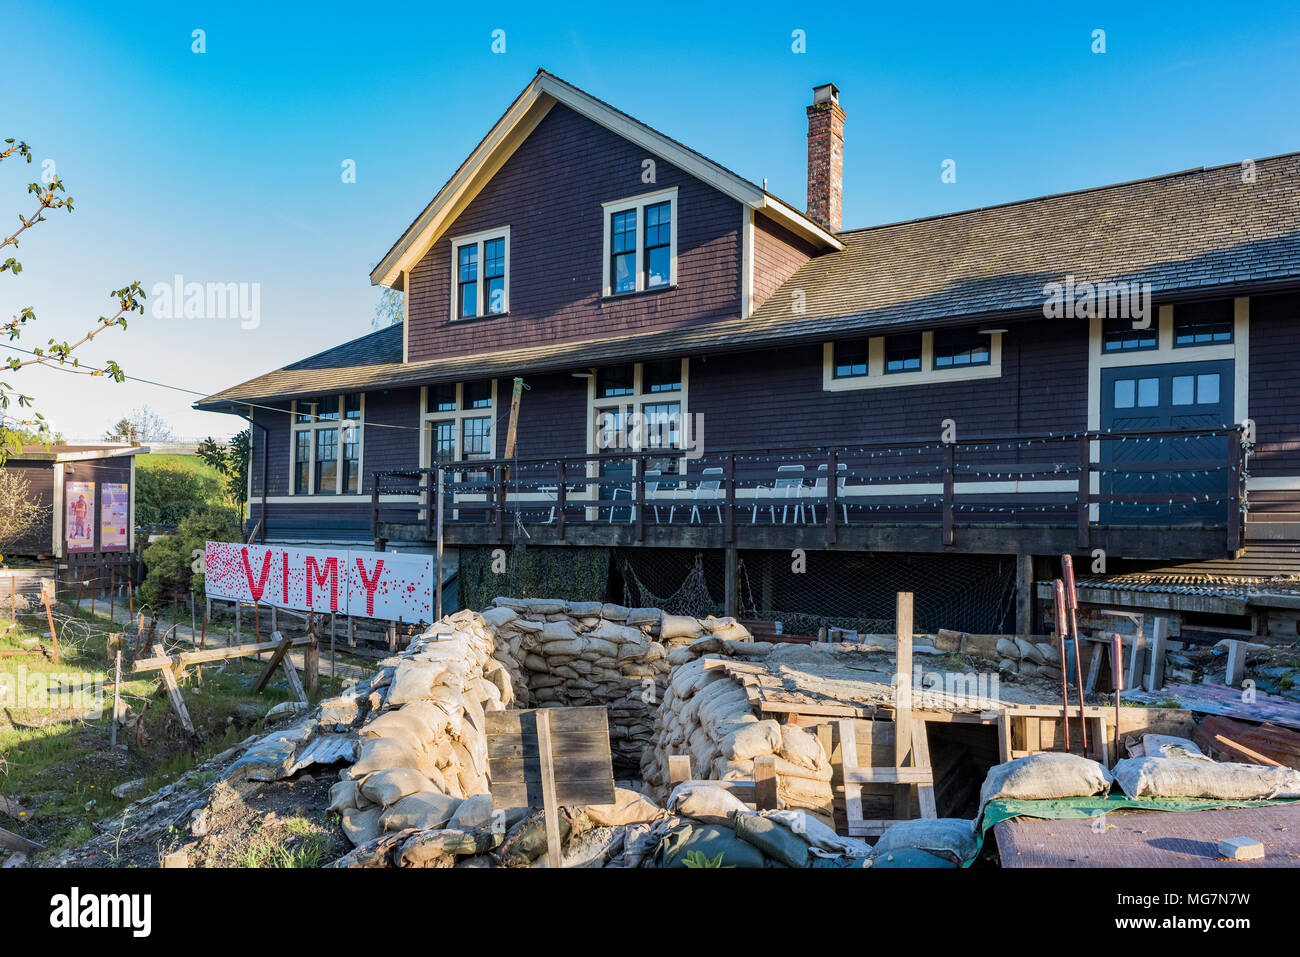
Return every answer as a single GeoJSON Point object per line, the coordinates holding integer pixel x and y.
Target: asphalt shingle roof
{"type": "Point", "coordinates": [1196, 231]}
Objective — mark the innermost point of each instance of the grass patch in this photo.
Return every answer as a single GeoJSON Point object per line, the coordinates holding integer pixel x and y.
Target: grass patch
{"type": "Point", "coordinates": [56, 762]}
{"type": "Point", "coordinates": [302, 844]}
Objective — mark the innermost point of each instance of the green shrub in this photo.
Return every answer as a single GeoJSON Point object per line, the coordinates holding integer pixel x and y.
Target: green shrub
{"type": "Point", "coordinates": [170, 562]}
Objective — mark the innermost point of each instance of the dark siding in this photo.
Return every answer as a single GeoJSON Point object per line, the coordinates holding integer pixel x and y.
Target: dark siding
{"type": "Point", "coordinates": [777, 254]}
{"type": "Point", "coordinates": [1274, 384]}
{"type": "Point", "coordinates": [549, 193]}
{"type": "Point", "coordinates": [392, 439]}
{"type": "Point", "coordinates": [40, 486]}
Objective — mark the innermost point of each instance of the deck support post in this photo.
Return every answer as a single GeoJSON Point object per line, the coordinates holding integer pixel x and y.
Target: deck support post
{"type": "Point", "coordinates": [730, 562]}
{"type": "Point", "coordinates": [1024, 595]}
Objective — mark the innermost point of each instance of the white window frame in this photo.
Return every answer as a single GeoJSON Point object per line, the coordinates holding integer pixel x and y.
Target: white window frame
{"type": "Point", "coordinates": [639, 203]}
{"type": "Point", "coordinates": [639, 398]}
{"type": "Point", "coordinates": [478, 239]}
{"type": "Point", "coordinates": [427, 415]}
{"type": "Point", "coordinates": [342, 424]}
{"type": "Point", "coordinates": [877, 378]}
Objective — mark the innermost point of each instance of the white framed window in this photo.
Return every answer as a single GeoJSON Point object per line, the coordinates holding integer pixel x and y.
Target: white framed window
{"type": "Point", "coordinates": [914, 358]}
{"type": "Point", "coordinates": [458, 422]}
{"type": "Point", "coordinates": [325, 447]}
{"type": "Point", "coordinates": [654, 391]}
{"type": "Point", "coordinates": [640, 244]}
{"type": "Point", "coordinates": [480, 274]}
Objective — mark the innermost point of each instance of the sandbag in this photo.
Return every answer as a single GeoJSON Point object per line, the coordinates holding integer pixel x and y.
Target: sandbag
{"type": "Point", "coordinates": [801, 748]}
{"type": "Point", "coordinates": [526, 840]}
{"type": "Point", "coordinates": [951, 838]}
{"type": "Point", "coordinates": [1170, 746]}
{"type": "Point", "coordinates": [475, 811]}
{"type": "Point", "coordinates": [441, 847]}
{"type": "Point", "coordinates": [773, 838]}
{"type": "Point", "coordinates": [380, 754]}
{"type": "Point", "coordinates": [389, 787]}
{"type": "Point", "coordinates": [343, 796]}
{"type": "Point", "coordinates": [629, 807]}
{"type": "Point", "coordinates": [679, 626]}
{"type": "Point", "coordinates": [1173, 778]}
{"type": "Point", "coordinates": [1045, 777]}
{"type": "Point", "coordinates": [753, 740]}
{"type": "Point", "coordinates": [361, 826]}
{"type": "Point", "coordinates": [413, 680]}
{"type": "Point", "coordinates": [705, 802]}
{"type": "Point", "coordinates": [422, 811]}
{"type": "Point", "coordinates": [712, 843]}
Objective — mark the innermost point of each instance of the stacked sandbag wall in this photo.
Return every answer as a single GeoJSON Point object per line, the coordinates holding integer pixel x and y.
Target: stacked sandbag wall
{"type": "Point", "coordinates": [566, 654]}
{"type": "Point", "coordinates": [1029, 658]}
{"type": "Point", "coordinates": [706, 716]}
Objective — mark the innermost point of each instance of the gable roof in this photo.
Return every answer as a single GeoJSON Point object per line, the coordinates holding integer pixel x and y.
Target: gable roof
{"type": "Point", "coordinates": [1193, 234]}
{"type": "Point", "coordinates": [520, 119]}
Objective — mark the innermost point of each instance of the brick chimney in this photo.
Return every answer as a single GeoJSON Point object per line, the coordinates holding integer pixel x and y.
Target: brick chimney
{"type": "Point", "coordinates": [826, 156]}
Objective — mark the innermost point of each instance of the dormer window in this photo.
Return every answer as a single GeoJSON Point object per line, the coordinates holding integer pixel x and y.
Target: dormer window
{"type": "Point", "coordinates": [640, 243]}
{"type": "Point", "coordinates": [480, 274]}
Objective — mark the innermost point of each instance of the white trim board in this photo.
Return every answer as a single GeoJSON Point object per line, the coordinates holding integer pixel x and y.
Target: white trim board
{"type": "Point", "coordinates": [519, 121]}
{"type": "Point", "coordinates": [877, 378]}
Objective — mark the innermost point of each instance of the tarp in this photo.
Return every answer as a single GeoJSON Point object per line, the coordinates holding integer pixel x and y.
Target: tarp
{"type": "Point", "coordinates": [1004, 809]}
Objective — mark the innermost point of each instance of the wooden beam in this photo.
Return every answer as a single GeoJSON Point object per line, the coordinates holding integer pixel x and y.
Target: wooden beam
{"type": "Point", "coordinates": [281, 648]}
{"type": "Point", "coordinates": [765, 796]}
{"type": "Point", "coordinates": [188, 658]}
{"type": "Point", "coordinates": [174, 695]}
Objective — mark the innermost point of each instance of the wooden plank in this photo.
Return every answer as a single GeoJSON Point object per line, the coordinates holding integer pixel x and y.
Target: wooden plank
{"type": "Point", "coordinates": [899, 776]}
{"type": "Point", "coordinates": [903, 696]}
{"type": "Point", "coordinates": [550, 802]}
{"type": "Point", "coordinates": [187, 658]}
{"type": "Point", "coordinates": [765, 797]}
{"type": "Point", "coordinates": [295, 685]}
{"type": "Point", "coordinates": [281, 648]}
{"type": "Point", "coordinates": [849, 765]}
{"type": "Point", "coordinates": [17, 844]}
{"type": "Point", "coordinates": [921, 754]}
{"type": "Point", "coordinates": [528, 769]}
{"type": "Point", "coordinates": [563, 721]}
{"type": "Point", "coordinates": [174, 695]}
{"type": "Point", "coordinates": [1275, 743]}
{"type": "Point", "coordinates": [574, 745]}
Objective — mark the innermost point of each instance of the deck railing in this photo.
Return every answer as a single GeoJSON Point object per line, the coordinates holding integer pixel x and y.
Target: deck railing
{"type": "Point", "coordinates": [1178, 477]}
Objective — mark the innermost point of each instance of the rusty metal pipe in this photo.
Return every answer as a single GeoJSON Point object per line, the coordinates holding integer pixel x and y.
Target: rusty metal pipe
{"type": "Point", "coordinates": [1059, 596]}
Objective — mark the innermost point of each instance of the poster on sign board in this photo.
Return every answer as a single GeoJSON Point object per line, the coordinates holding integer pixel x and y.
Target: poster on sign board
{"type": "Point", "coordinates": [79, 518]}
{"type": "Point", "coordinates": [114, 509]}
{"type": "Point", "coordinates": [392, 586]}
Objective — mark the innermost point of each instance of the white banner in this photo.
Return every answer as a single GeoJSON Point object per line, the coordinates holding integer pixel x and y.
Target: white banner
{"type": "Point", "coordinates": [392, 586]}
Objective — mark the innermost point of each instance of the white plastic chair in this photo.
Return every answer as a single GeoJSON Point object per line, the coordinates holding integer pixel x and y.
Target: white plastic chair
{"type": "Point", "coordinates": [708, 490]}
{"type": "Point", "coordinates": [819, 490]}
{"type": "Point", "coordinates": [788, 484]}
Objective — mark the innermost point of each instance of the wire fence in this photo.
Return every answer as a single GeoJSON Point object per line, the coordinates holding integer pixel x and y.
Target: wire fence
{"type": "Point", "coordinates": [814, 590]}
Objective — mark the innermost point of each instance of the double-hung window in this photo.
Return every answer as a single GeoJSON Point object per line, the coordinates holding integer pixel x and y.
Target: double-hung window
{"type": "Point", "coordinates": [480, 274]}
{"type": "Point", "coordinates": [326, 446]}
{"type": "Point", "coordinates": [459, 421]}
{"type": "Point", "coordinates": [640, 243]}
{"type": "Point", "coordinates": [639, 406]}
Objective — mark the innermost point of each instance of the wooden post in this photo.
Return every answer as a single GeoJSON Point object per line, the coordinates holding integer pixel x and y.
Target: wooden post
{"type": "Point", "coordinates": [730, 598]}
{"type": "Point", "coordinates": [949, 492]}
{"type": "Point", "coordinates": [437, 584]}
{"type": "Point", "coordinates": [130, 597]}
{"type": "Point", "coordinates": [112, 587]}
{"type": "Point", "coordinates": [239, 610]}
{"type": "Point", "coordinates": [334, 617]}
{"type": "Point", "coordinates": [731, 499]}
{"type": "Point", "coordinates": [1155, 678]}
{"type": "Point", "coordinates": [174, 696]}
{"type": "Point", "coordinates": [1236, 672]}
{"type": "Point", "coordinates": [765, 798]}
{"type": "Point", "coordinates": [638, 497]}
{"type": "Point", "coordinates": [550, 806]}
{"type": "Point", "coordinates": [13, 599]}
{"type": "Point", "coordinates": [311, 657]}
{"type": "Point", "coordinates": [117, 700]}
{"type": "Point", "coordinates": [561, 499]}
{"type": "Point", "coordinates": [352, 641]}
{"type": "Point", "coordinates": [832, 491]}
{"type": "Point", "coordinates": [903, 699]}
{"type": "Point", "coordinates": [1085, 493]}
{"type": "Point", "coordinates": [1024, 595]}
{"type": "Point", "coordinates": [49, 617]}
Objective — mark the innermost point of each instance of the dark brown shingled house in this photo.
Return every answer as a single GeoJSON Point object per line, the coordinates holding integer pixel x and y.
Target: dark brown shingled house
{"type": "Point", "coordinates": [1108, 372]}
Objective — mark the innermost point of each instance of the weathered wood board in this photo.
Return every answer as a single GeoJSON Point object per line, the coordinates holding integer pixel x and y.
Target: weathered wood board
{"type": "Point", "coordinates": [579, 750]}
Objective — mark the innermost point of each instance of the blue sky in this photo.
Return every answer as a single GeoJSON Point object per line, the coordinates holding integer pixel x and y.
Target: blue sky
{"type": "Point", "coordinates": [225, 166]}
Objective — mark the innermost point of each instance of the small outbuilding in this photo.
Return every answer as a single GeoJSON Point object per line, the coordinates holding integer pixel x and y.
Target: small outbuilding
{"type": "Point", "coordinates": [90, 492]}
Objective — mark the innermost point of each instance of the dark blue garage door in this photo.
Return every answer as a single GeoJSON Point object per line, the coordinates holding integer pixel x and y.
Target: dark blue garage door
{"type": "Point", "coordinates": [1184, 395]}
